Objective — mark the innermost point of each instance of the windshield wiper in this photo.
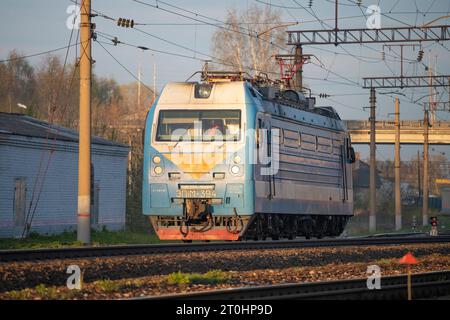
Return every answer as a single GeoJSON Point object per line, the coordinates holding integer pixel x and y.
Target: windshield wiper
{"type": "Point", "coordinates": [181, 137]}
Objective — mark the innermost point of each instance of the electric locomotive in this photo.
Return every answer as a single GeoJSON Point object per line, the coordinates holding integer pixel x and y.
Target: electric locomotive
{"type": "Point", "coordinates": [231, 158]}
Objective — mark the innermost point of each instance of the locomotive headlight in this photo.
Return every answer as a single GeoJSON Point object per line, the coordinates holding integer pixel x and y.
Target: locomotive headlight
{"type": "Point", "coordinates": [203, 90]}
{"type": "Point", "coordinates": [156, 160]}
{"type": "Point", "coordinates": [235, 169]}
{"type": "Point", "coordinates": [157, 170]}
{"type": "Point", "coordinates": [237, 159]}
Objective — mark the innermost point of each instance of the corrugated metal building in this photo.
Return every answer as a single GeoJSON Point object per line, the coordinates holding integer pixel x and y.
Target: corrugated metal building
{"type": "Point", "coordinates": [39, 178]}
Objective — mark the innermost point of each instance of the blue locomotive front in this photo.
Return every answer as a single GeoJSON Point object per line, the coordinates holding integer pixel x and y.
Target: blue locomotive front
{"type": "Point", "coordinates": [197, 175]}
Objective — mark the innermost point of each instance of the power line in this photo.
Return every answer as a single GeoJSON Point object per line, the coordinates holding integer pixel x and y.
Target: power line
{"type": "Point", "coordinates": [125, 68]}
{"type": "Point", "coordinates": [247, 33]}
{"type": "Point", "coordinates": [191, 12]}
{"type": "Point", "coordinates": [39, 53]}
{"type": "Point", "coordinates": [278, 6]}
{"type": "Point", "coordinates": [345, 105]}
{"type": "Point", "coordinates": [383, 14]}
{"type": "Point", "coordinates": [115, 41]}
{"type": "Point", "coordinates": [225, 63]}
{"type": "Point", "coordinates": [350, 82]}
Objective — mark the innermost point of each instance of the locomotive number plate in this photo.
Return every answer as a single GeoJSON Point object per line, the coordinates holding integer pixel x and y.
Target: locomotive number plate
{"type": "Point", "coordinates": [196, 193]}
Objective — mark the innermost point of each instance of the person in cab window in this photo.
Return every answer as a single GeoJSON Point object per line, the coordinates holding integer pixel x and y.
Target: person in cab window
{"type": "Point", "coordinates": [214, 128]}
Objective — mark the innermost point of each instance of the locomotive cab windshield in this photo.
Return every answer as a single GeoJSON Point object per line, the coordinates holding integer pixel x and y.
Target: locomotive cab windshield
{"type": "Point", "coordinates": [199, 125]}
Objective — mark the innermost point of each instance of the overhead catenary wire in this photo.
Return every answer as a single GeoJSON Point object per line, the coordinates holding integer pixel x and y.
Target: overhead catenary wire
{"type": "Point", "coordinates": [220, 61]}
{"type": "Point", "coordinates": [197, 20]}
{"type": "Point", "coordinates": [247, 33]}
{"type": "Point", "coordinates": [196, 14]}
{"type": "Point", "coordinates": [125, 68]}
{"type": "Point", "coordinates": [212, 57]}
{"type": "Point", "coordinates": [38, 53]}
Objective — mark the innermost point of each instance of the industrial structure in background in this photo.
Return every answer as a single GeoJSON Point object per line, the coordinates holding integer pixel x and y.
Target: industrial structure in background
{"type": "Point", "coordinates": [38, 177]}
{"type": "Point", "coordinates": [421, 34]}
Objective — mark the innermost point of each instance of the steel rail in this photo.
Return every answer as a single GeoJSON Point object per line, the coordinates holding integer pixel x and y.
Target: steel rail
{"type": "Point", "coordinates": [128, 250]}
{"type": "Point", "coordinates": [424, 285]}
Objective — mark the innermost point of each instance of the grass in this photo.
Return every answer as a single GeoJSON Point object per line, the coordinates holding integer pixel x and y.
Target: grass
{"type": "Point", "coordinates": [46, 292]}
{"type": "Point", "coordinates": [42, 292]}
{"type": "Point", "coordinates": [69, 239]}
{"type": "Point", "coordinates": [108, 285]}
{"type": "Point", "coordinates": [210, 277]}
{"type": "Point", "coordinates": [24, 294]}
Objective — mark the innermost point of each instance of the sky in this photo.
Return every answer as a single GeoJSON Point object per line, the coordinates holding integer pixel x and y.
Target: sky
{"type": "Point", "coordinates": [32, 26]}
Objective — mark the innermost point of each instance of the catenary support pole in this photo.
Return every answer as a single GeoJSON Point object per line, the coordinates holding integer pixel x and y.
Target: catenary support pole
{"type": "Point", "coordinates": [372, 183]}
{"type": "Point", "coordinates": [298, 85]}
{"type": "Point", "coordinates": [398, 200]}
{"type": "Point", "coordinates": [84, 153]}
{"type": "Point", "coordinates": [425, 181]}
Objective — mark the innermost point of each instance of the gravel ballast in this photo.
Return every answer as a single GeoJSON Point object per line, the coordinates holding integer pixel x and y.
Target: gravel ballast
{"type": "Point", "coordinates": [122, 277]}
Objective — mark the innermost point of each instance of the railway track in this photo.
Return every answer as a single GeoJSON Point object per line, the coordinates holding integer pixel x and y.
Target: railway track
{"type": "Point", "coordinates": [124, 250]}
{"type": "Point", "coordinates": [424, 286]}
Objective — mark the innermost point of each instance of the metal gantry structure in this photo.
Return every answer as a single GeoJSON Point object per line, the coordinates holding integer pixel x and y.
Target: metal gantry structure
{"type": "Point", "coordinates": [338, 36]}
{"type": "Point", "coordinates": [374, 83]}
{"type": "Point", "coordinates": [358, 36]}
{"type": "Point", "coordinates": [406, 82]}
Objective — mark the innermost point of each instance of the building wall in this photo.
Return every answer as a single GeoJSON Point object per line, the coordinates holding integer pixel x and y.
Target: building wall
{"type": "Point", "coordinates": [56, 194]}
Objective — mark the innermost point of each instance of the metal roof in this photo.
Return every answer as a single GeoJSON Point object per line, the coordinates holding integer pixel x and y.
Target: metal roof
{"type": "Point", "coordinates": [23, 125]}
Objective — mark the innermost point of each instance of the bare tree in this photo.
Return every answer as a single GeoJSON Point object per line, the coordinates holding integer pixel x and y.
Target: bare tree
{"type": "Point", "coordinates": [17, 83]}
{"type": "Point", "coordinates": [249, 40]}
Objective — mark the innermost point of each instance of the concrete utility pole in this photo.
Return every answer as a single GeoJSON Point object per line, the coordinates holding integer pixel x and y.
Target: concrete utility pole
{"type": "Point", "coordinates": [398, 199]}
{"type": "Point", "coordinates": [426, 122]}
{"type": "Point", "coordinates": [336, 29]}
{"type": "Point", "coordinates": [430, 75]}
{"type": "Point", "coordinates": [418, 174]}
{"type": "Point", "coordinates": [373, 169]}
{"type": "Point", "coordinates": [84, 153]}
{"type": "Point", "coordinates": [425, 170]}
{"type": "Point", "coordinates": [298, 85]}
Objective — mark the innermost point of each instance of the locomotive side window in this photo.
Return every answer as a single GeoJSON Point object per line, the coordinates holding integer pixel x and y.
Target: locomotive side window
{"type": "Point", "coordinates": [351, 158]}
{"type": "Point", "coordinates": [258, 133]}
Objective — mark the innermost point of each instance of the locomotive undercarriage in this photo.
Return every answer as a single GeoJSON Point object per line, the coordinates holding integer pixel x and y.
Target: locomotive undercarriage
{"type": "Point", "coordinates": [199, 223]}
{"type": "Point", "coordinates": [276, 226]}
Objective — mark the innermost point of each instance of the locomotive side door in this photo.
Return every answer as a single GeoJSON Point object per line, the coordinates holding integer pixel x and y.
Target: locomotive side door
{"type": "Point", "coordinates": [263, 167]}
